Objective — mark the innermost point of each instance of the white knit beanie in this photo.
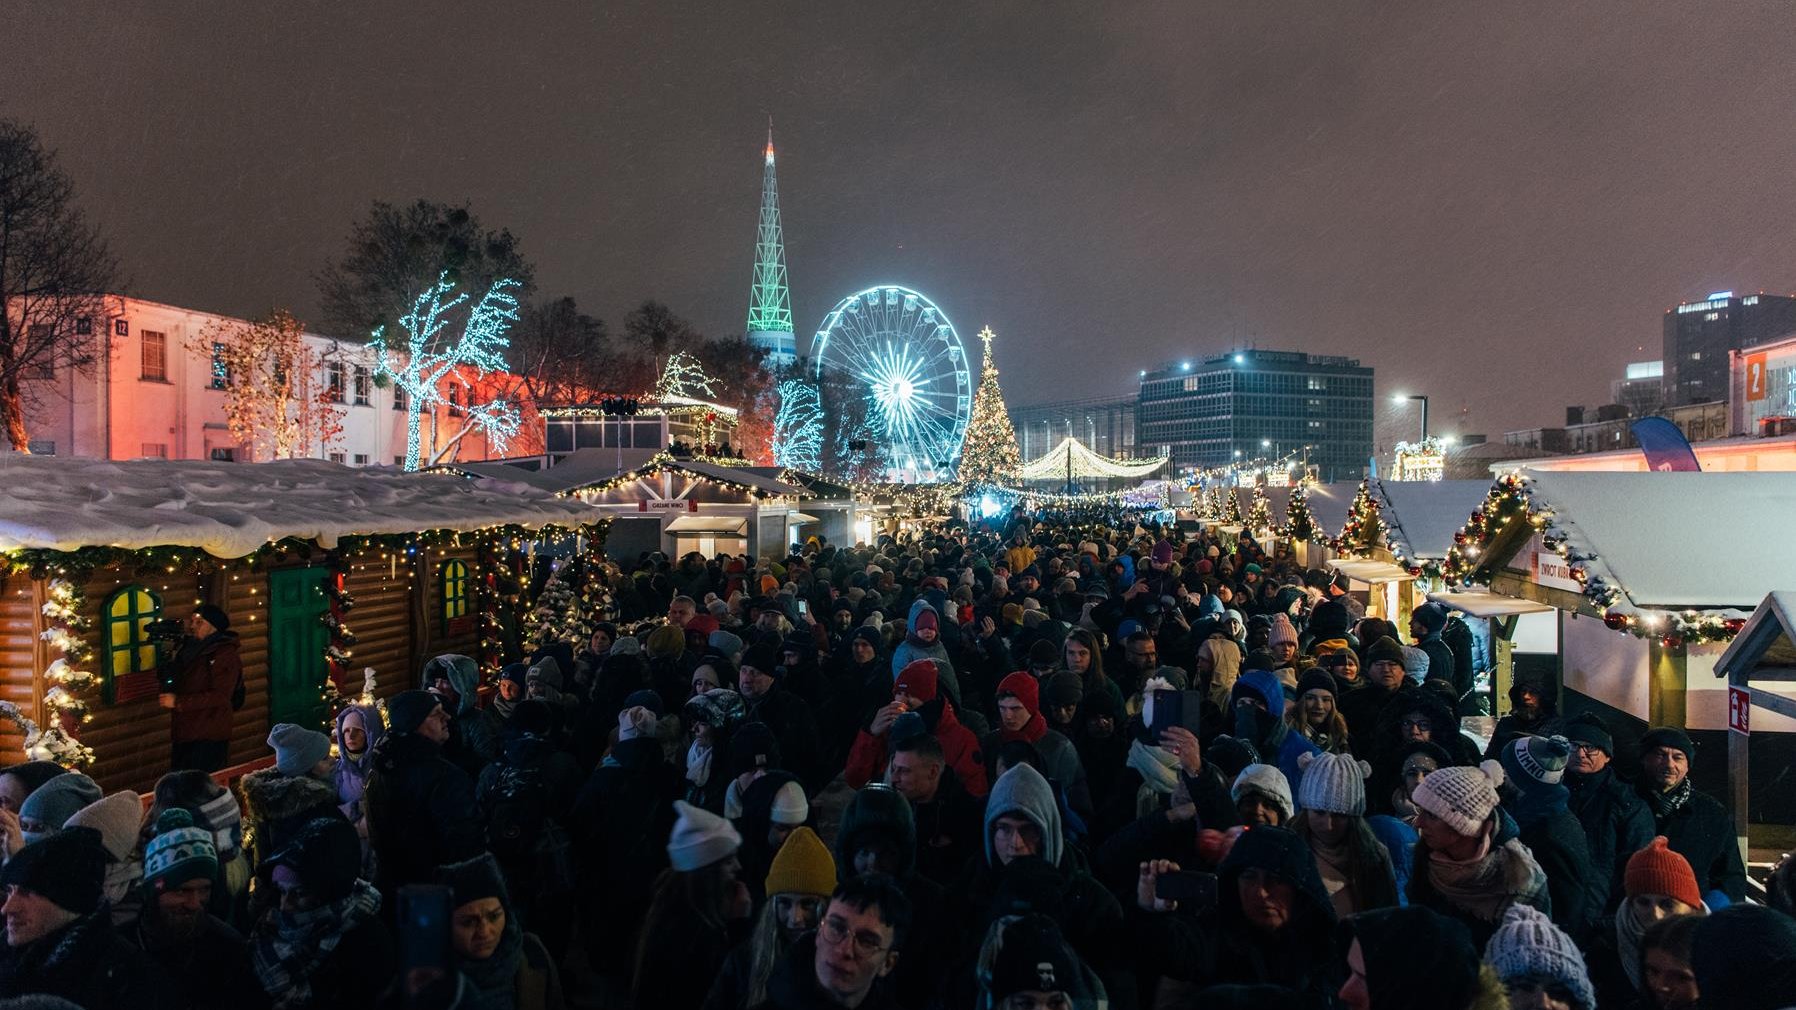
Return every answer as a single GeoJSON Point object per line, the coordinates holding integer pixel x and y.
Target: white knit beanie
{"type": "Point", "coordinates": [1282, 631]}
{"type": "Point", "coordinates": [1461, 797]}
{"type": "Point", "coordinates": [1527, 943]}
{"type": "Point", "coordinates": [790, 805]}
{"type": "Point", "coordinates": [700, 838]}
{"type": "Point", "coordinates": [635, 721]}
{"type": "Point", "coordinates": [1267, 781]}
{"type": "Point", "coordinates": [1333, 783]}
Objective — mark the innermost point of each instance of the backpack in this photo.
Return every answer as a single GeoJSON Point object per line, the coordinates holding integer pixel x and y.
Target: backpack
{"type": "Point", "coordinates": [520, 832]}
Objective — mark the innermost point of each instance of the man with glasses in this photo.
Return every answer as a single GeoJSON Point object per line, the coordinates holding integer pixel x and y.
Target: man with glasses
{"type": "Point", "coordinates": [856, 944]}
{"type": "Point", "coordinates": [1616, 823]}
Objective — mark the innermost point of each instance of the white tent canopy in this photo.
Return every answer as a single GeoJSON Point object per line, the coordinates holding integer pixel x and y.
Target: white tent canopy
{"type": "Point", "coordinates": [1072, 460]}
{"type": "Point", "coordinates": [1420, 517]}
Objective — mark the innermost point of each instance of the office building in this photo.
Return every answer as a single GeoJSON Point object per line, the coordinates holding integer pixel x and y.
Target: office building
{"type": "Point", "coordinates": [1641, 389]}
{"type": "Point", "coordinates": [1250, 404]}
{"type": "Point", "coordinates": [1699, 335]}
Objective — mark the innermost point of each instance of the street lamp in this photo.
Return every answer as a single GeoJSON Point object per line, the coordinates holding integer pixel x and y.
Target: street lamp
{"type": "Point", "coordinates": [1399, 399]}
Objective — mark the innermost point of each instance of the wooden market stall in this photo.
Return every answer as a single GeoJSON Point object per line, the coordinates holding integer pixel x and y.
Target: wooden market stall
{"type": "Point", "coordinates": [1760, 668]}
{"type": "Point", "coordinates": [1650, 576]}
{"type": "Point", "coordinates": [324, 570]}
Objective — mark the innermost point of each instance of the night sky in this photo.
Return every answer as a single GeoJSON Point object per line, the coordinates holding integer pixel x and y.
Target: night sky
{"type": "Point", "coordinates": [1490, 203]}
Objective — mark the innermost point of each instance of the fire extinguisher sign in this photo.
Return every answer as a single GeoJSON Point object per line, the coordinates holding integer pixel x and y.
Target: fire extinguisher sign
{"type": "Point", "coordinates": [1739, 709]}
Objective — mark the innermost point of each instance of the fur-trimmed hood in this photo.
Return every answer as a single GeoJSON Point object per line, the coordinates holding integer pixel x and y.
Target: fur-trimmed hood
{"type": "Point", "coordinates": [270, 795]}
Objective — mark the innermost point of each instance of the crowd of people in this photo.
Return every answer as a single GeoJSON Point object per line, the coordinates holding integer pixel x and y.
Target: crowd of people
{"type": "Point", "coordinates": [1024, 765]}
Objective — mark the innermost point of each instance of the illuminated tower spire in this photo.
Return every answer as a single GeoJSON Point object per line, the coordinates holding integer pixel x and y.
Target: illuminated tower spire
{"type": "Point", "coordinates": [769, 301]}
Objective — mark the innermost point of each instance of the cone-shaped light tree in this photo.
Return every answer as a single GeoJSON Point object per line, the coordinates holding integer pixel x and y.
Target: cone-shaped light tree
{"type": "Point", "coordinates": [989, 454]}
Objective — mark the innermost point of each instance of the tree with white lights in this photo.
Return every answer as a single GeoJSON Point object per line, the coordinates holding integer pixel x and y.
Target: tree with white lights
{"type": "Point", "coordinates": [277, 403]}
{"type": "Point", "coordinates": [429, 358]}
{"type": "Point", "coordinates": [798, 427]}
{"type": "Point", "coordinates": [989, 453]}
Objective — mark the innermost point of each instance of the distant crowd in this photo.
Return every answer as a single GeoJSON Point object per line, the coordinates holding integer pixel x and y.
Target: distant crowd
{"type": "Point", "coordinates": [1028, 764]}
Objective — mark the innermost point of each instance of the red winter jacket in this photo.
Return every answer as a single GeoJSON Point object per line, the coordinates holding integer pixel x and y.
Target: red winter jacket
{"type": "Point", "coordinates": [867, 759]}
{"type": "Point", "coordinates": [203, 691]}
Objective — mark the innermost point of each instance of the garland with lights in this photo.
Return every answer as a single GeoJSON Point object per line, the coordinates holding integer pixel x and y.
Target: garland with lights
{"type": "Point", "coordinates": [1300, 523]}
{"type": "Point", "coordinates": [1510, 502]}
{"type": "Point", "coordinates": [1363, 532]}
{"type": "Point", "coordinates": [1259, 516]}
{"type": "Point", "coordinates": [69, 686]}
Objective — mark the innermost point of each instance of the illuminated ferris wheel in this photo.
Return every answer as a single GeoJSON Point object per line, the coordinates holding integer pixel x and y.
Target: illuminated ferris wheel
{"type": "Point", "coordinates": [902, 354]}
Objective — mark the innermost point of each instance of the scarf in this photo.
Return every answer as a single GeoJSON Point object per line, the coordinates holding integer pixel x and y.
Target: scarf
{"type": "Point", "coordinates": [1404, 810]}
{"type": "Point", "coordinates": [286, 956]}
{"type": "Point", "coordinates": [1158, 767]}
{"type": "Point", "coordinates": [698, 764]}
{"type": "Point", "coordinates": [492, 983]}
{"type": "Point", "coordinates": [1628, 931]}
{"type": "Point", "coordinates": [1033, 730]}
{"type": "Point", "coordinates": [1488, 883]}
{"type": "Point", "coordinates": [1663, 805]}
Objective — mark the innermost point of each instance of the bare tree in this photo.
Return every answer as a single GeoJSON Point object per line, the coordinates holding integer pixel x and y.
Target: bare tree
{"type": "Point", "coordinates": [55, 271]}
{"type": "Point", "coordinates": [276, 400]}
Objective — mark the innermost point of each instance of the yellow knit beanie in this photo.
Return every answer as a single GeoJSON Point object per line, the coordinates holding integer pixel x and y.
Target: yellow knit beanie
{"type": "Point", "coordinates": [803, 865]}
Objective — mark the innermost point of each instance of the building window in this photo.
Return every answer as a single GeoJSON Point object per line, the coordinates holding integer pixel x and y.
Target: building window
{"type": "Point", "coordinates": [128, 647]}
{"type": "Point", "coordinates": [454, 400]}
{"type": "Point", "coordinates": [155, 356]}
{"type": "Point", "coordinates": [337, 457]}
{"type": "Point", "coordinates": [361, 459]}
{"type": "Point", "coordinates": [42, 447]}
{"type": "Point", "coordinates": [221, 372]}
{"type": "Point", "coordinates": [364, 381]}
{"type": "Point", "coordinates": [155, 450]}
{"type": "Point", "coordinates": [399, 398]}
{"type": "Point", "coordinates": [455, 590]}
{"type": "Point", "coordinates": [84, 327]}
{"type": "Point", "coordinates": [334, 381]}
{"type": "Point", "coordinates": [224, 454]}
{"type": "Point", "coordinates": [398, 460]}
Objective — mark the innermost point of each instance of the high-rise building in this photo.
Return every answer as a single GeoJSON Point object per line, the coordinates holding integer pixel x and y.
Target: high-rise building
{"type": "Point", "coordinates": [770, 301]}
{"type": "Point", "coordinates": [1252, 404]}
{"type": "Point", "coordinates": [1699, 335]}
{"type": "Point", "coordinates": [1641, 389]}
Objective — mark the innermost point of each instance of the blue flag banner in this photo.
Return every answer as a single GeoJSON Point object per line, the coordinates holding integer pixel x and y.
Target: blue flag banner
{"type": "Point", "coordinates": [1666, 448]}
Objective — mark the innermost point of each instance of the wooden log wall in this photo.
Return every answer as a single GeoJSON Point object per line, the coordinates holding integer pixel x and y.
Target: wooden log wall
{"type": "Point", "coordinates": [19, 650]}
{"type": "Point", "coordinates": [437, 637]}
{"type": "Point", "coordinates": [130, 738]}
{"type": "Point", "coordinates": [382, 622]}
{"type": "Point", "coordinates": [243, 594]}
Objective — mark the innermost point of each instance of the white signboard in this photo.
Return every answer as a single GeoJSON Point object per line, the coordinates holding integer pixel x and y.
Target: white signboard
{"type": "Point", "coordinates": [1549, 569]}
{"type": "Point", "coordinates": [667, 505]}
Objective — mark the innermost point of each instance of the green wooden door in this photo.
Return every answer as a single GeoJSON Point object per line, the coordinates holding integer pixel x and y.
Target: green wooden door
{"type": "Point", "coordinates": [297, 639]}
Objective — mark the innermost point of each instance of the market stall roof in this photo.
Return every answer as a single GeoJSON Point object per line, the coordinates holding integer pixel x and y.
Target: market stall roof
{"type": "Point", "coordinates": [1373, 572]}
{"type": "Point", "coordinates": [1329, 504]}
{"type": "Point", "coordinates": [1420, 516]}
{"type": "Point", "coordinates": [1768, 639]}
{"type": "Point", "coordinates": [1483, 603]}
{"type": "Point", "coordinates": [577, 468]}
{"type": "Point", "coordinates": [231, 509]}
{"type": "Point", "coordinates": [816, 484]}
{"type": "Point", "coordinates": [745, 476]}
{"type": "Point", "coordinates": [1677, 540]}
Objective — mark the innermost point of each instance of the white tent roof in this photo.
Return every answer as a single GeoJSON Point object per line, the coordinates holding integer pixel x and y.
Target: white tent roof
{"type": "Point", "coordinates": [1678, 540]}
{"type": "Point", "coordinates": [1373, 572]}
{"type": "Point", "coordinates": [1774, 619]}
{"type": "Point", "coordinates": [230, 509]}
{"type": "Point", "coordinates": [1420, 516]}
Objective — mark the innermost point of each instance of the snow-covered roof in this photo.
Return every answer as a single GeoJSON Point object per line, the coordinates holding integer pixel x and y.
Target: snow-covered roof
{"type": "Point", "coordinates": [231, 509]}
{"type": "Point", "coordinates": [1420, 516]}
{"type": "Point", "coordinates": [576, 469]}
{"type": "Point", "coordinates": [1330, 503]}
{"type": "Point", "coordinates": [745, 476]}
{"type": "Point", "coordinates": [1677, 540]}
{"type": "Point", "coordinates": [1767, 636]}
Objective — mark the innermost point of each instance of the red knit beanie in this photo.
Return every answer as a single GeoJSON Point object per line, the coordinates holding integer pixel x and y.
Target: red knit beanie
{"type": "Point", "coordinates": [917, 679]}
{"type": "Point", "coordinates": [926, 618]}
{"type": "Point", "coordinates": [1658, 870]}
{"type": "Point", "coordinates": [1023, 686]}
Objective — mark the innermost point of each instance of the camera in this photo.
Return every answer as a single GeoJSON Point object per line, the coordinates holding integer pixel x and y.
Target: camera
{"type": "Point", "coordinates": [167, 629]}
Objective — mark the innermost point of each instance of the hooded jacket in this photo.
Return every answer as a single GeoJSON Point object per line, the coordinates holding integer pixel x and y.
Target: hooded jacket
{"type": "Point", "coordinates": [1219, 946]}
{"type": "Point", "coordinates": [352, 770]}
{"type": "Point", "coordinates": [276, 805]}
{"type": "Point", "coordinates": [473, 735]}
{"type": "Point", "coordinates": [1271, 735]}
{"type": "Point", "coordinates": [910, 650]}
{"type": "Point", "coordinates": [421, 811]}
{"type": "Point", "coordinates": [1058, 755]}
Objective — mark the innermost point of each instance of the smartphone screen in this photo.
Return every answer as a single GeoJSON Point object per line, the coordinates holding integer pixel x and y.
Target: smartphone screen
{"type": "Point", "coordinates": [804, 607]}
{"type": "Point", "coordinates": [424, 953]}
{"type": "Point", "coordinates": [1187, 887]}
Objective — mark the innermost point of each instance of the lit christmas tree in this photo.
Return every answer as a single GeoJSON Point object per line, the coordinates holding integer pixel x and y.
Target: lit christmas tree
{"type": "Point", "coordinates": [1231, 509]}
{"type": "Point", "coordinates": [557, 617]}
{"type": "Point", "coordinates": [989, 454]}
{"type": "Point", "coordinates": [1260, 516]}
{"type": "Point", "coordinates": [1300, 522]}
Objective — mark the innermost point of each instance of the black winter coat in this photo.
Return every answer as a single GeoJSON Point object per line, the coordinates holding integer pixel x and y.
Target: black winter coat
{"type": "Point", "coordinates": [950, 830]}
{"type": "Point", "coordinates": [620, 824]}
{"type": "Point", "coordinates": [421, 812]}
{"type": "Point", "coordinates": [1702, 831]}
{"type": "Point", "coordinates": [1557, 842]}
{"type": "Point", "coordinates": [794, 984]}
{"type": "Point", "coordinates": [790, 719]}
{"type": "Point", "coordinates": [210, 972]}
{"type": "Point", "coordinates": [1616, 825]}
{"type": "Point", "coordinates": [357, 971]}
{"type": "Point", "coordinates": [87, 963]}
